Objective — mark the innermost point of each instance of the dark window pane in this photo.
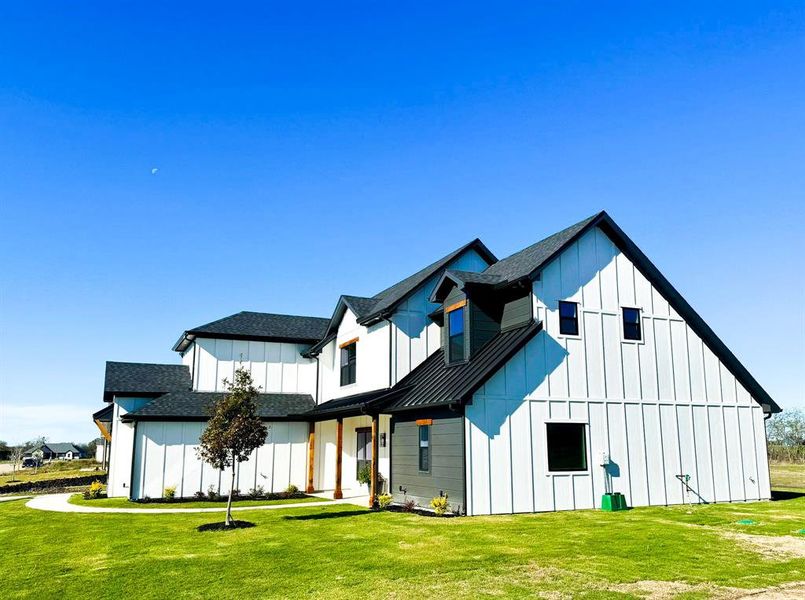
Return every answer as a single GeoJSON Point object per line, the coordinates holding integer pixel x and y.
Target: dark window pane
{"type": "Point", "coordinates": [348, 364]}
{"type": "Point", "coordinates": [568, 318]}
{"type": "Point", "coordinates": [631, 324]}
{"type": "Point", "coordinates": [424, 447]}
{"type": "Point", "coordinates": [455, 335]}
{"type": "Point", "coordinates": [567, 447]}
{"type": "Point", "coordinates": [456, 318]}
{"type": "Point", "coordinates": [567, 309]}
{"type": "Point", "coordinates": [631, 315]}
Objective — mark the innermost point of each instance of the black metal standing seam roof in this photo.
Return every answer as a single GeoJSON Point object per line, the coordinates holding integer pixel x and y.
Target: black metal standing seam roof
{"type": "Point", "coordinates": [143, 379]}
{"type": "Point", "coordinates": [391, 296]}
{"type": "Point", "coordinates": [435, 383]}
{"type": "Point", "coordinates": [355, 403]}
{"type": "Point", "coordinates": [260, 327]}
{"type": "Point", "coordinates": [196, 406]}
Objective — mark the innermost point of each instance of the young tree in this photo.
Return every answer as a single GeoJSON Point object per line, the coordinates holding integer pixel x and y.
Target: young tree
{"type": "Point", "coordinates": [17, 453]}
{"type": "Point", "coordinates": [234, 430]}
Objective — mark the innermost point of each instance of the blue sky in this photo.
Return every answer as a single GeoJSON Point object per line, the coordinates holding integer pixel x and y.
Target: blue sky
{"type": "Point", "coordinates": [314, 150]}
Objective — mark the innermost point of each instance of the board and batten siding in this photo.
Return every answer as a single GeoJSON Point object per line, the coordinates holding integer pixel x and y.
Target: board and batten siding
{"type": "Point", "coordinates": [165, 456]}
{"type": "Point", "coordinates": [446, 460]}
{"type": "Point", "coordinates": [274, 366]}
{"type": "Point", "coordinates": [662, 407]}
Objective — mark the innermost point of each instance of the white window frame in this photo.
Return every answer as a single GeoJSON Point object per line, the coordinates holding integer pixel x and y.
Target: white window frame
{"type": "Point", "coordinates": [587, 440]}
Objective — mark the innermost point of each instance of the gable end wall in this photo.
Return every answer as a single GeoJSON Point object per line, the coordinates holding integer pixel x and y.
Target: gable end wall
{"type": "Point", "coordinates": [659, 408]}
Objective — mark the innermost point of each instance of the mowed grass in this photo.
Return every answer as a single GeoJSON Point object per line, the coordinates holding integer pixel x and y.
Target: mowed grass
{"type": "Point", "coordinates": [787, 475]}
{"type": "Point", "coordinates": [343, 551]}
{"type": "Point", "coordinates": [125, 503]}
{"type": "Point", "coordinates": [55, 470]}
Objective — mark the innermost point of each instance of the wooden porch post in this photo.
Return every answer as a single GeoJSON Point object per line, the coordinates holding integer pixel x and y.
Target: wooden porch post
{"type": "Point", "coordinates": [375, 434]}
{"type": "Point", "coordinates": [339, 448]}
{"type": "Point", "coordinates": [311, 445]}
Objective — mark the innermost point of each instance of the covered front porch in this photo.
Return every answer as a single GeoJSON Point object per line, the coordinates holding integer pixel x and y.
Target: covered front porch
{"type": "Point", "coordinates": [346, 436]}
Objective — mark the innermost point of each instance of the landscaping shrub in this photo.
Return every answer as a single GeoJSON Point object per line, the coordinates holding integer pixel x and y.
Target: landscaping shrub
{"type": "Point", "coordinates": [409, 505]}
{"type": "Point", "coordinates": [199, 495]}
{"type": "Point", "coordinates": [212, 494]}
{"type": "Point", "coordinates": [440, 505]}
{"type": "Point", "coordinates": [291, 490]}
{"type": "Point", "coordinates": [383, 500]}
{"type": "Point", "coordinates": [365, 475]}
{"type": "Point", "coordinates": [170, 492]}
{"type": "Point", "coordinates": [256, 493]}
{"type": "Point", "coordinates": [94, 491]}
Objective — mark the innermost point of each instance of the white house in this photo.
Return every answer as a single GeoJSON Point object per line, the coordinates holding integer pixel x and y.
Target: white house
{"type": "Point", "coordinates": [533, 383]}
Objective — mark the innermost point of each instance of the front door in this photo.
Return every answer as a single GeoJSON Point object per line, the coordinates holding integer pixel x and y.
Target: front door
{"type": "Point", "coordinates": [364, 448]}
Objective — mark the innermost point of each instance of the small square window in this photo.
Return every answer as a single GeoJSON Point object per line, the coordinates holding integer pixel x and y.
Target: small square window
{"type": "Point", "coordinates": [568, 318]}
{"type": "Point", "coordinates": [567, 446]}
{"type": "Point", "coordinates": [631, 324]}
{"type": "Point", "coordinates": [424, 447]}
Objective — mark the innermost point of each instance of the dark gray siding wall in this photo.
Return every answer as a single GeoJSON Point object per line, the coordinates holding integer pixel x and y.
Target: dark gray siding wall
{"type": "Point", "coordinates": [516, 311]}
{"type": "Point", "coordinates": [456, 295]}
{"type": "Point", "coordinates": [484, 320]}
{"type": "Point", "coordinates": [446, 459]}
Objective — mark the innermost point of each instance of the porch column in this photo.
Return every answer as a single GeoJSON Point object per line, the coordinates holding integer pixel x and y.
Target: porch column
{"type": "Point", "coordinates": [375, 434]}
{"type": "Point", "coordinates": [339, 449]}
{"type": "Point", "coordinates": [311, 445]}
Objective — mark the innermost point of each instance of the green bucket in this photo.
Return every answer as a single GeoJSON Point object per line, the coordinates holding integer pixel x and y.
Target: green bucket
{"type": "Point", "coordinates": [613, 502]}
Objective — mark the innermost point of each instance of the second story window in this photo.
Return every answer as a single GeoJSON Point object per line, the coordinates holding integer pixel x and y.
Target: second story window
{"type": "Point", "coordinates": [568, 318]}
{"type": "Point", "coordinates": [631, 324]}
{"type": "Point", "coordinates": [455, 335]}
{"type": "Point", "coordinates": [348, 362]}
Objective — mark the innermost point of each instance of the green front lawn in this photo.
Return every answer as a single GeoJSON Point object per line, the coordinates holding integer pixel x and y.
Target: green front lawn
{"type": "Point", "coordinates": [347, 551]}
{"type": "Point", "coordinates": [126, 503]}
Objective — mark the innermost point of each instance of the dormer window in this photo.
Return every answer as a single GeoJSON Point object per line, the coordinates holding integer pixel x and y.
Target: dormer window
{"type": "Point", "coordinates": [455, 334]}
{"type": "Point", "coordinates": [348, 362]}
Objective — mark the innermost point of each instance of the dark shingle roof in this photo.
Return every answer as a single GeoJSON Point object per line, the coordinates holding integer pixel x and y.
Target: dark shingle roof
{"type": "Point", "coordinates": [360, 305]}
{"type": "Point", "coordinates": [59, 447]}
{"type": "Point", "coordinates": [434, 383]}
{"type": "Point", "coordinates": [194, 406]}
{"type": "Point", "coordinates": [143, 379]}
{"type": "Point", "coordinates": [259, 326]}
{"type": "Point", "coordinates": [525, 262]}
{"type": "Point", "coordinates": [395, 294]}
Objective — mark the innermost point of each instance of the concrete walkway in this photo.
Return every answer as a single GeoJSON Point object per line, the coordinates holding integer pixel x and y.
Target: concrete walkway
{"type": "Point", "coordinates": [60, 503]}
{"type": "Point", "coordinates": [10, 498]}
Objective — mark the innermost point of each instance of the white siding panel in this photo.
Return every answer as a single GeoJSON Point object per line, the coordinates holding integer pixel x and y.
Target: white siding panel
{"type": "Point", "coordinates": [637, 455]}
{"type": "Point", "coordinates": [718, 446]}
{"type": "Point", "coordinates": [671, 453]}
{"type": "Point", "coordinates": [704, 463]}
{"type": "Point", "coordinates": [654, 445]}
{"type": "Point", "coordinates": [732, 433]}
{"type": "Point", "coordinates": [521, 461]}
{"type": "Point", "coordinates": [749, 455]}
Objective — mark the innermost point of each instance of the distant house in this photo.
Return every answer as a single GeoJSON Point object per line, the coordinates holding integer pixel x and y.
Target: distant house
{"type": "Point", "coordinates": [56, 451]}
{"type": "Point", "coordinates": [537, 382]}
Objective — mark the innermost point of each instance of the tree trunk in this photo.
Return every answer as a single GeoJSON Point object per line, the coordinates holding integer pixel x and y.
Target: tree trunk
{"type": "Point", "coordinates": [228, 522]}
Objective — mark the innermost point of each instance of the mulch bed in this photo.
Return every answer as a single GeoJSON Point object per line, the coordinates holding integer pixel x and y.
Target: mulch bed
{"type": "Point", "coordinates": [51, 485]}
{"type": "Point", "coordinates": [223, 527]}
{"type": "Point", "coordinates": [418, 511]}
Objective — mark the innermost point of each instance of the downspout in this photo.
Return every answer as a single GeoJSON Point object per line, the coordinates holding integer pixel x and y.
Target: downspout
{"type": "Point", "coordinates": [391, 344]}
{"type": "Point", "coordinates": [318, 366]}
{"type": "Point", "coordinates": [193, 370]}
